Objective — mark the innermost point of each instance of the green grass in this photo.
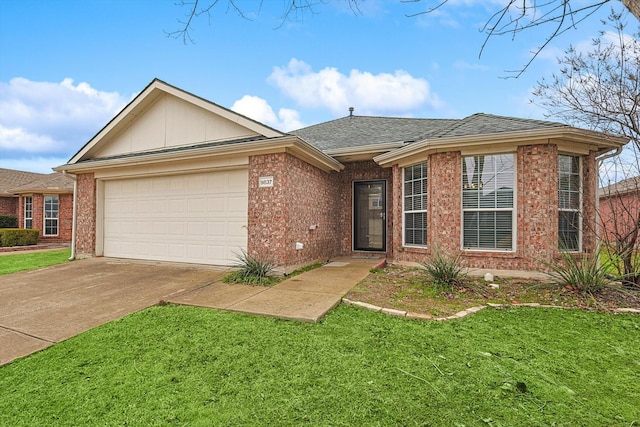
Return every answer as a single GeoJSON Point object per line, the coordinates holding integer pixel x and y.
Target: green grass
{"type": "Point", "coordinates": [31, 261]}
{"type": "Point", "coordinates": [175, 365]}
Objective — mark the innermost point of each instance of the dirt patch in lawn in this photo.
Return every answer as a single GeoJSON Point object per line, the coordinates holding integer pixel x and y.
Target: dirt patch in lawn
{"type": "Point", "coordinates": [409, 289]}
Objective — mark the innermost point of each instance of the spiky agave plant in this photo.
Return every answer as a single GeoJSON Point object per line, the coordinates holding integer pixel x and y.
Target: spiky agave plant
{"type": "Point", "coordinates": [252, 269]}
{"type": "Point", "coordinates": [447, 271]}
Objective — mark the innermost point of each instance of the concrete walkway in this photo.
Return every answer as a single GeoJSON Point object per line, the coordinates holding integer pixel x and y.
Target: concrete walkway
{"type": "Point", "coordinates": [41, 307]}
{"type": "Point", "coordinates": [306, 297]}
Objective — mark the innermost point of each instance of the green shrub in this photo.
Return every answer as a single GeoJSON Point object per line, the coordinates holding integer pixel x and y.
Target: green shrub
{"type": "Point", "coordinates": [586, 273]}
{"type": "Point", "coordinates": [251, 270]}
{"type": "Point", "coordinates": [446, 270]}
{"type": "Point", "coordinates": [8, 221]}
{"type": "Point", "coordinates": [18, 237]}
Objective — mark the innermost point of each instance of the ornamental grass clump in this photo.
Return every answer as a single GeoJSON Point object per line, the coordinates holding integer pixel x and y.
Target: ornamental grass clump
{"type": "Point", "coordinates": [251, 270]}
{"type": "Point", "coordinates": [584, 273]}
{"type": "Point", "coordinates": [445, 270]}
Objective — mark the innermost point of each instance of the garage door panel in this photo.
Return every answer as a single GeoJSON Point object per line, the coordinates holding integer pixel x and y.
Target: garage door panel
{"type": "Point", "coordinates": [197, 218]}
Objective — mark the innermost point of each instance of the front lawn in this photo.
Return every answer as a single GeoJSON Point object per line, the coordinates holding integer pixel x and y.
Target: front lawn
{"type": "Point", "coordinates": [33, 260]}
{"type": "Point", "coordinates": [190, 366]}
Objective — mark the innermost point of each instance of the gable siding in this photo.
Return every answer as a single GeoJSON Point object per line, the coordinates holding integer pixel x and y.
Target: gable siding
{"type": "Point", "coordinates": [172, 122]}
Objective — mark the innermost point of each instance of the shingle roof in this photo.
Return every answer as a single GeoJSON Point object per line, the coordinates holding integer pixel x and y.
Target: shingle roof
{"type": "Point", "coordinates": [355, 131]}
{"type": "Point", "coordinates": [10, 179]}
{"type": "Point", "coordinates": [55, 182]}
{"type": "Point", "coordinates": [625, 186]}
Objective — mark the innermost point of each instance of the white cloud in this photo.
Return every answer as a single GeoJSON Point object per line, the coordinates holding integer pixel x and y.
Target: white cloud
{"type": "Point", "coordinates": [36, 164]}
{"type": "Point", "coordinates": [17, 139]}
{"type": "Point", "coordinates": [398, 93]}
{"type": "Point", "coordinates": [51, 117]}
{"type": "Point", "coordinates": [259, 109]}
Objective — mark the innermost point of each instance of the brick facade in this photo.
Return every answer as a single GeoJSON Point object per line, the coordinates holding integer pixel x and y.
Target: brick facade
{"type": "Point", "coordinates": [315, 208]}
{"type": "Point", "coordinates": [9, 206]}
{"type": "Point", "coordinates": [308, 206]}
{"type": "Point", "coordinates": [536, 210]}
{"type": "Point", "coordinates": [300, 207]}
{"type": "Point", "coordinates": [86, 216]}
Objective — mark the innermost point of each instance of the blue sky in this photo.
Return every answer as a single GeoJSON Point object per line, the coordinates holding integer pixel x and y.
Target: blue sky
{"type": "Point", "coordinates": [68, 66]}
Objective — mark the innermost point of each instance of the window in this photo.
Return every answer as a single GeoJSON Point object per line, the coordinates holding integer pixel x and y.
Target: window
{"type": "Point", "coordinates": [415, 205]}
{"type": "Point", "coordinates": [487, 202]}
{"type": "Point", "coordinates": [51, 215]}
{"type": "Point", "coordinates": [569, 203]}
{"type": "Point", "coordinates": [28, 211]}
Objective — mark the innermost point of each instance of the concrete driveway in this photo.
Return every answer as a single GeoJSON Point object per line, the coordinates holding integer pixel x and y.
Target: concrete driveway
{"type": "Point", "coordinates": [42, 307]}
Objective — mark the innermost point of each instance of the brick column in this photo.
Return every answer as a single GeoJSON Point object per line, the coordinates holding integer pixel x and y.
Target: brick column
{"type": "Point", "coordinates": [86, 215]}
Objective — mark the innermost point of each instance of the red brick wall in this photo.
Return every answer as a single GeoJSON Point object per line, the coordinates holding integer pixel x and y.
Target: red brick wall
{"type": "Point", "coordinates": [302, 196]}
{"type": "Point", "coordinates": [618, 215]}
{"type": "Point", "coordinates": [589, 195]}
{"type": "Point", "coordinates": [537, 210]}
{"type": "Point", "coordinates": [9, 206]}
{"type": "Point", "coordinates": [86, 216]}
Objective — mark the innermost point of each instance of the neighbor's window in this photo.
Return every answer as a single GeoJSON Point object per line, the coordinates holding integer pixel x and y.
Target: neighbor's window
{"type": "Point", "coordinates": [28, 211]}
{"type": "Point", "coordinates": [487, 202]}
{"type": "Point", "coordinates": [415, 205]}
{"type": "Point", "coordinates": [51, 207]}
{"type": "Point", "coordinates": [569, 203]}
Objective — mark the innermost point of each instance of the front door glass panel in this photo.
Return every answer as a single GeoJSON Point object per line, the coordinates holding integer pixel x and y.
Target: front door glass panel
{"type": "Point", "coordinates": [369, 216]}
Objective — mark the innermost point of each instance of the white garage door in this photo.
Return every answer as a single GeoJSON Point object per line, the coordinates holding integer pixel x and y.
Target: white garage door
{"type": "Point", "coordinates": [198, 218]}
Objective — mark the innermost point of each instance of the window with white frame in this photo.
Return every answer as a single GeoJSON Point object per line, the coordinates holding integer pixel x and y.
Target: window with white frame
{"type": "Point", "coordinates": [28, 211]}
{"type": "Point", "coordinates": [51, 207]}
{"type": "Point", "coordinates": [569, 203]}
{"type": "Point", "coordinates": [415, 205]}
{"type": "Point", "coordinates": [488, 202]}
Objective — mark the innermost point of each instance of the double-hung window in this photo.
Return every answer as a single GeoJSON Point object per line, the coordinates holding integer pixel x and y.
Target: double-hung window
{"type": "Point", "coordinates": [415, 205]}
{"type": "Point", "coordinates": [51, 207]}
{"type": "Point", "coordinates": [488, 202]}
{"type": "Point", "coordinates": [569, 203]}
{"type": "Point", "coordinates": [28, 211]}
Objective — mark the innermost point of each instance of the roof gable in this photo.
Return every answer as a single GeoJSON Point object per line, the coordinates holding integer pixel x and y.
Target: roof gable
{"type": "Point", "coordinates": [163, 116]}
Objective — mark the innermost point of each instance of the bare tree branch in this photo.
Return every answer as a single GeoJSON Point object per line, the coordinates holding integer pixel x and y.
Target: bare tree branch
{"type": "Point", "coordinates": [600, 90]}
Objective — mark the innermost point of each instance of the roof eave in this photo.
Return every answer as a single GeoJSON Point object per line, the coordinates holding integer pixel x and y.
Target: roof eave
{"type": "Point", "coordinates": [291, 144]}
{"type": "Point", "coordinates": [595, 140]}
{"type": "Point", "coordinates": [363, 152]}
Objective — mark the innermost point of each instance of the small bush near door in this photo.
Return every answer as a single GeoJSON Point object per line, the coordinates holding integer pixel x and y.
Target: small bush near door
{"type": "Point", "coordinates": [251, 270]}
{"type": "Point", "coordinates": [8, 221]}
{"type": "Point", "coordinates": [18, 237]}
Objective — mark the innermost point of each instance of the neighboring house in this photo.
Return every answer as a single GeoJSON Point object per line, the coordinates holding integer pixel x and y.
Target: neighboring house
{"type": "Point", "coordinates": [41, 202]}
{"type": "Point", "coordinates": [9, 179]}
{"type": "Point", "coordinates": [619, 211]}
{"type": "Point", "coordinates": [178, 178]}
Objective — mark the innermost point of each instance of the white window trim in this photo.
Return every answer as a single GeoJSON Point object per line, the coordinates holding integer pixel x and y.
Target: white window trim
{"type": "Point", "coordinates": [425, 210]}
{"type": "Point", "coordinates": [580, 209]}
{"type": "Point", "coordinates": [24, 211]}
{"type": "Point", "coordinates": [513, 209]}
{"type": "Point", "coordinates": [44, 216]}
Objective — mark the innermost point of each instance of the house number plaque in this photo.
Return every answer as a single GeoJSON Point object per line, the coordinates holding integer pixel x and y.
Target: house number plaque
{"type": "Point", "coordinates": [265, 181]}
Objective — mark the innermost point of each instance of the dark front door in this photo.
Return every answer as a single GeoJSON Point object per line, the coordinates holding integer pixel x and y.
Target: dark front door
{"type": "Point", "coordinates": [369, 216]}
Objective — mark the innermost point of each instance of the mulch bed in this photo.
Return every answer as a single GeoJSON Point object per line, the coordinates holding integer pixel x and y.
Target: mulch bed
{"type": "Point", "coordinates": [409, 289]}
